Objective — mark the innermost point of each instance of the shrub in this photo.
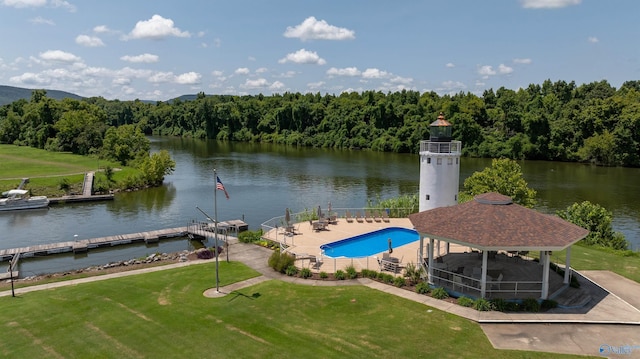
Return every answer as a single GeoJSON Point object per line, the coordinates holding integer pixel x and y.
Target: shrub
{"type": "Point", "coordinates": [499, 304]}
{"type": "Point", "coordinates": [399, 282]}
{"type": "Point", "coordinates": [512, 307]}
{"type": "Point", "coordinates": [388, 278]}
{"type": "Point", "coordinates": [423, 288]}
{"type": "Point", "coordinates": [305, 273]}
{"type": "Point", "coordinates": [351, 272]}
{"type": "Point", "coordinates": [291, 270]}
{"type": "Point", "coordinates": [365, 273]}
{"type": "Point", "coordinates": [281, 261]}
{"type": "Point", "coordinates": [439, 293]}
{"type": "Point", "coordinates": [64, 184]}
{"type": "Point", "coordinates": [482, 305]}
{"type": "Point", "coordinates": [324, 275]}
{"type": "Point", "coordinates": [371, 274]}
{"type": "Point", "coordinates": [340, 274]}
{"type": "Point", "coordinates": [413, 272]}
{"type": "Point", "coordinates": [548, 304]}
{"type": "Point", "coordinates": [531, 305]}
{"type": "Point", "coordinates": [465, 301]}
{"type": "Point", "coordinates": [250, 236]}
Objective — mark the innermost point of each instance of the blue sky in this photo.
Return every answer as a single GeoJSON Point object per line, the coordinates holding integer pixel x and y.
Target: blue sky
{"type": "Point", "coordinates": [157, 50]}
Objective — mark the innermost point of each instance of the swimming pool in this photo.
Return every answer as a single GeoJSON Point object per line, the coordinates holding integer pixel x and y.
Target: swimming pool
{"type": "Point", "coordinates": [367, 244]}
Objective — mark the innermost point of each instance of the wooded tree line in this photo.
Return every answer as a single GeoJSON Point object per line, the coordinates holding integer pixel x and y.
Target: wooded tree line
{"type": "Point", "coordinates": [556, 121]}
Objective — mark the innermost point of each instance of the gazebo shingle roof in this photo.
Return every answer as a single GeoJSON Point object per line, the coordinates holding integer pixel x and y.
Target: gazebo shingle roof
{"type": "Point", "coordinates": [492, 221]}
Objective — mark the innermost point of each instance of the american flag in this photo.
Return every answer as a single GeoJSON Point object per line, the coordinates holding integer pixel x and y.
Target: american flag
{"type": "Point", "coordinates": [220, 186]}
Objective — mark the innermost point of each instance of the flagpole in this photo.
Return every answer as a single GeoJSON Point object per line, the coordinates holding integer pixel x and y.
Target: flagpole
{"type": "Point", "coordinates": [215, 215]}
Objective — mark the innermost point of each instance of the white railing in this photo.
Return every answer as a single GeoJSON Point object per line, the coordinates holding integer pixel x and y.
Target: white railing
{"type": "Point", "coordinates": [453, 147]}
{"type": "Point", "coordinates": [471, 284]}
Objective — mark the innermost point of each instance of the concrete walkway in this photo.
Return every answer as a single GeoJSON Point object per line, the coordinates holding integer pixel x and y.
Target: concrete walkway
{"type": "Point", "coordinates": [605, 327]}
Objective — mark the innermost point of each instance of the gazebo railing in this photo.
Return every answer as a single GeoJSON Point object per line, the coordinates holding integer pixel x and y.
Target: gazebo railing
{"type": "Point", "coordinates": [469, 285]}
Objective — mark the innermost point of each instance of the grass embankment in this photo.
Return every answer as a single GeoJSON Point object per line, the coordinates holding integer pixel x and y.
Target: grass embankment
{"type": "Point", "coordinates": [624, 263]}
{"type": "Point", "coordinates": [46, 170]}
{"type": "Point", "coordinates": [165, 315]}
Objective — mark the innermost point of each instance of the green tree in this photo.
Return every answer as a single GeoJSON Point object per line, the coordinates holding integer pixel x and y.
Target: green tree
{"type": "Point", "coordinates": [155, 167]}
{"type": "Point", "coordinates": [597, 220]}
{"type": "Point", "coordinates": [505, 177]}
{"type": "Point", "coordinates": [124, 144]}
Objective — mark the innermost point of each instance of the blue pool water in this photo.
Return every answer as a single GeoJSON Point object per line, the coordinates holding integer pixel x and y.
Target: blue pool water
{"type": "Point", "coordinates": [367, 244]}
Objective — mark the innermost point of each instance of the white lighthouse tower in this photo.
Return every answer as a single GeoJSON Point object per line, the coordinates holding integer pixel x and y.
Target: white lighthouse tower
{"type": "Point", "coordinates": [439, 167]}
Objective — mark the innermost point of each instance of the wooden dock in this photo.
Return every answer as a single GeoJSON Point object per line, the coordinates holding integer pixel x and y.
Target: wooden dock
{"type": "Point", "coordinates": [193, 229]}
{"type": "Point", "coordinates": [83, 245]}
{"type": "Point", "coordinates": [81, 198]}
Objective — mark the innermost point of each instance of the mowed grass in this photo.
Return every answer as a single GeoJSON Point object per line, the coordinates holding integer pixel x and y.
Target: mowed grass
{"type": "Point", "coordinates": [165, 315]}
{"type": "Point", "coordinates": [591, 258]}
{"type": "Point", "coordinates": [46, 169]}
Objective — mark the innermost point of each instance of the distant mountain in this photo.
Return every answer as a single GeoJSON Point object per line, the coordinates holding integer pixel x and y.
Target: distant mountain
{"type": "Point", "coordinates": [9, 94]}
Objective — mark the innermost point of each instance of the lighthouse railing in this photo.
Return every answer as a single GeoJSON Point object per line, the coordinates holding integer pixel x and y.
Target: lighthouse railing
{"type": "Point", "coordinates": [452, 147]}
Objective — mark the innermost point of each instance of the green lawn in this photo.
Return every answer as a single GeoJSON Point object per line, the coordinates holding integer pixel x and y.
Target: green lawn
{"type": "Point", "coordinates": [46, 169]}
{"type": "Point", "coordinates": [165, 315]}
{"type": "Point", "coordinates": [590, 258]}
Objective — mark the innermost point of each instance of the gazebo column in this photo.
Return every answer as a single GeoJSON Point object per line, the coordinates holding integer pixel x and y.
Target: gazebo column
{"type": "Point", "coordinates": [430, 256]}
{"type": "Point", "coordinates": [483, 280]}
{"type": "Point", "coordinates": [567, 266]}
{"type": "Point", "coordinates": [545, 276]}
{"type": "Point", "coordinates": [448, 247]}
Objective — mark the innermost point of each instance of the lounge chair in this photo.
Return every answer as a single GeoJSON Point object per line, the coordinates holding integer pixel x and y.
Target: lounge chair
{"type": "Point", "coordinates": [367, 216]}
{"type": "Point", "coordinates": [376, 216]}
{"type": "Point", "coordinates": [359, 218]}
{"type": "Point", "coordinates": [348, 217]}
{"type": "Point", "coordinates": [385, 216]}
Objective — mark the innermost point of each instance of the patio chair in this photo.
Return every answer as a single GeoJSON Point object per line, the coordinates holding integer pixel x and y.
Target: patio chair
{"type": "Point", "coordinates": [385, 216]}
{"type": "Point", "coordinates": [376, 216]}
{"type": "Point", "coordinates": [315, 262]}
{"type": "Point", "coordinates": [359, 217]}
{"type": "Point", "coordinates": [348, 217]}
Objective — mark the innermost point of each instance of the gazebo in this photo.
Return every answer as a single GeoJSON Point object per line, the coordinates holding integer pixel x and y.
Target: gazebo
{"type": "Point", "coordinates": [491, 222]}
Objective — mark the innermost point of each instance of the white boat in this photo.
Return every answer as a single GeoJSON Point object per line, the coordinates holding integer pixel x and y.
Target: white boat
{"type": "Point", "coordinates": [17, 199]}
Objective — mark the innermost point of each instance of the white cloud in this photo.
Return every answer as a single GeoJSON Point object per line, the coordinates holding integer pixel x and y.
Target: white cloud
{"type": "Point", "coordinates": [29, 78]}
{"type": "Point", "coordinates": [401, 80]}
{"type": "Point", "coordinates": [24, 3]}
{"type": "Point", "coordinates": [374, 74]}
{"type": "Point", "coordinates": [156, 28]}
{"type": "Point", "coordinates": [303, 56]}
{"type": "Point", "coordinates": [316, 85]}
{"type": "Point", "coordinates": [548, 4]}
{"type": "Point", "coordinates": [143, 58]}
{"type": "Point", "coordinates": [288, 74]}
{"type": "Point", "coordinates": [242, 71]}
{"type": "Point", "coordinates": [593, 39]}
{"type": "Point", "coordinates": [486, 71]}
{"type": "Point", "coordinates": [188, 78]}
{"type": "Point", "coordinates": [255, 84]}
{"type": "Point", "coordinates": [58, 55]}
{"type": "Point", "coordinates": [101, 29]}
{"type": "Point", "coordinates": [121, 81]}
{"type": "Point", "coordinates": [312, 29]}
{"type": "Point", "coordinates": [89, 41]}
{"type": "Point", "coordinates": [41, 20]}
{"type": "Point", "coordinates": [276, 86]}
{"type": "Point", "coordinates": [347, 71]}
{"type": "Point", "coordinates": [504, 69]}
{"type": "Point", "coordinates": [251, 58]}
{"type": "Point", "coordinates": [262, 70]}
{"type": "Point", "coordinates": [63, 4]}
{"type": "Point", "coordinates": [522, 61]}
{"type": "Point", "coordinates": [450, 65]}
{"type": "Point", "coordinates": [39, 3]}
{"type": "Point", "coordinates": [161, 77]}
{"type": "Point", "coordinates": [217, 73]}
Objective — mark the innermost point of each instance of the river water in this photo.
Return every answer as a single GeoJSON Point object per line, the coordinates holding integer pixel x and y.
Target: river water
{"type": "Point", "coordinates": [262, 180]}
